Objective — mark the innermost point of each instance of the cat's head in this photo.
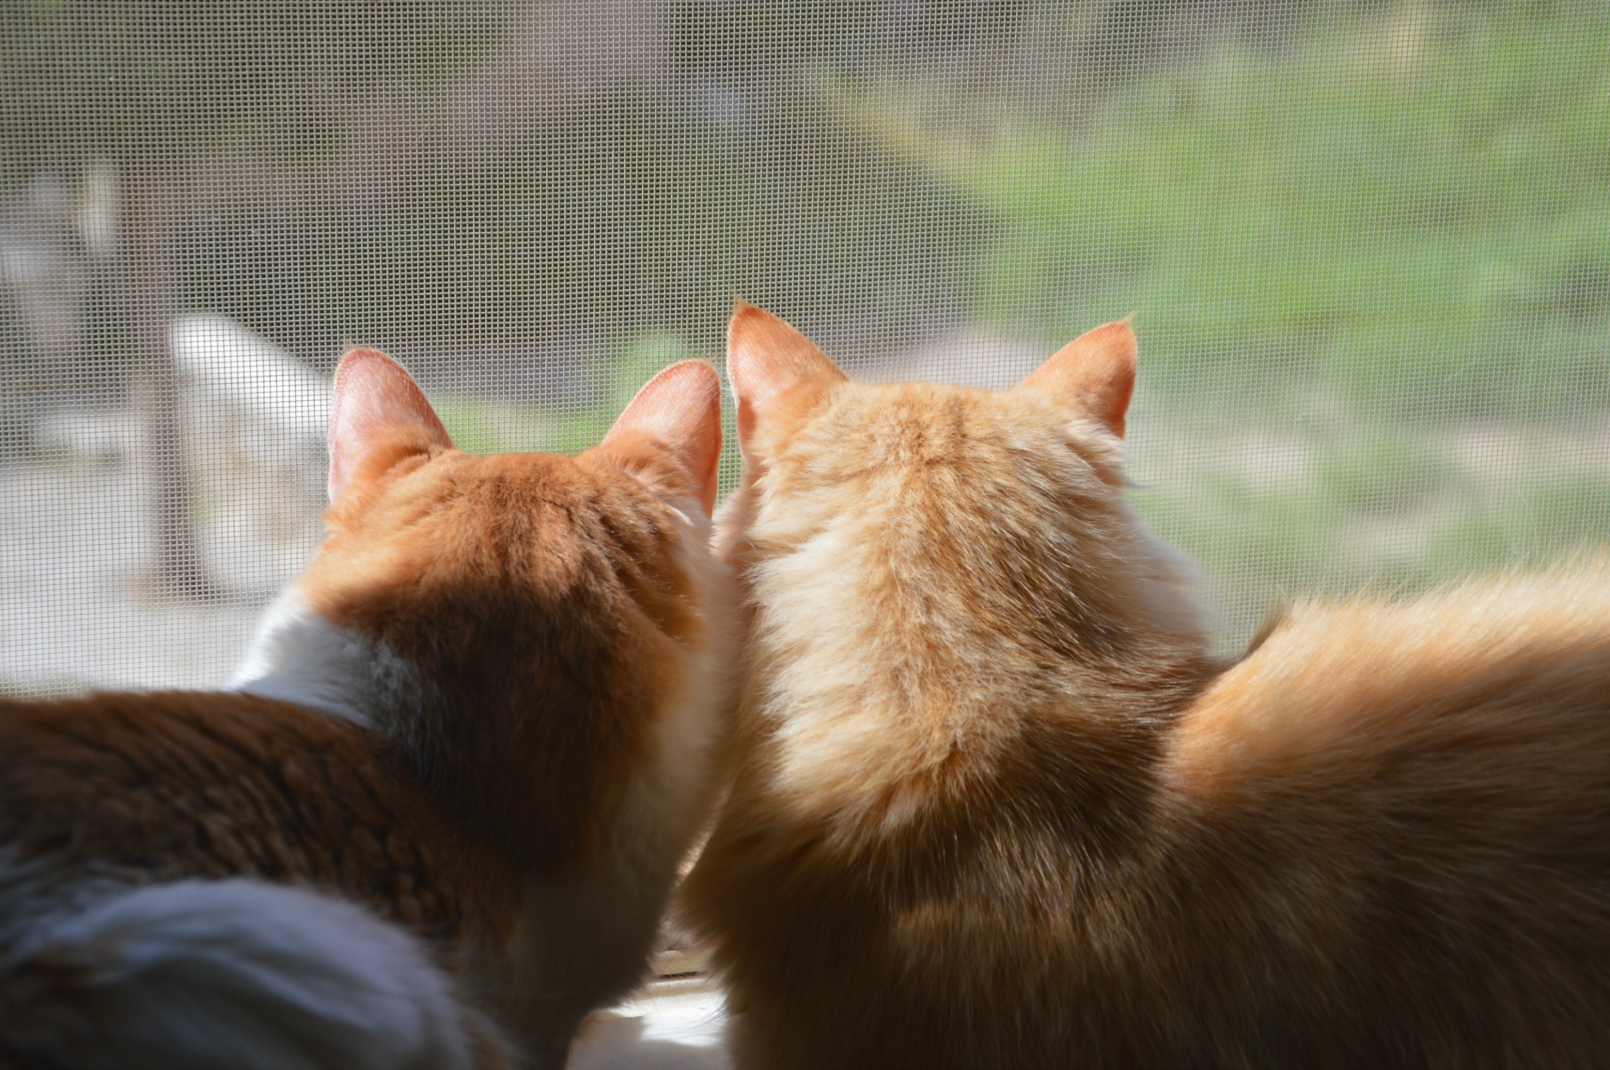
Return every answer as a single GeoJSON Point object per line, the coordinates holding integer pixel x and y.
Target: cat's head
{"type": "Point", "coordinates": [955, 503]}
{"type": "Point", "coordinates": [537, 633]}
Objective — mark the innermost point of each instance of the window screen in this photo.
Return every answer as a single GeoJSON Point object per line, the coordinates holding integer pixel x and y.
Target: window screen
{"type": "Point", "coordinates": [1366, 247]}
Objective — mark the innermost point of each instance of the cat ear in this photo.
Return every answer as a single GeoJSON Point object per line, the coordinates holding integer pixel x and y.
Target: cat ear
{"type": "Point", "coordinates": [766, 360]}
{"type": "Point", "coordinates": [377, 404]}
{"type": "Point", "coordinates": [1093, 374]}
{"type": "Point", "coordinates": [680, 408]}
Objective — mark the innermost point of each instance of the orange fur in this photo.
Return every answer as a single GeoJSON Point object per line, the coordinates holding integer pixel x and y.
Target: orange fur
{"type": "Point", "coordinates": [514, 676]}
{"type": "Point", "coordinates": [997, 807]}
{"type": "Point", "coordinates": [542, 597]}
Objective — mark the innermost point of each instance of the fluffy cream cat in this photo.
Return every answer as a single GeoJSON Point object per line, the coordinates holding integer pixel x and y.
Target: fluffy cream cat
{"type": "Point", "coordinates": [998, 807]}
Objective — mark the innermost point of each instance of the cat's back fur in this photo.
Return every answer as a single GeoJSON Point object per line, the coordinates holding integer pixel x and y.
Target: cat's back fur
{"type": "Point", "coordinates": [1433, 774]}
{"type": "Point", "coordinates": [997, 806]}
{"type": "Point", "coordinates": [169, 785]}
{"type": "Point", "coordinates": [489, 713]}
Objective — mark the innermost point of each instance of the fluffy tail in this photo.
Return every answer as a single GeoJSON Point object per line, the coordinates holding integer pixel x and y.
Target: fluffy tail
{"type": "Point", "coordinates": [235, 974]}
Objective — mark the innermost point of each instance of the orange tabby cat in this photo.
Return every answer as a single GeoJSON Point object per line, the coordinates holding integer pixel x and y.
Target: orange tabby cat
{"type": "Point", "coordinates": [488, 712]}
{"type": "Point", "coordinates": [997, 807]}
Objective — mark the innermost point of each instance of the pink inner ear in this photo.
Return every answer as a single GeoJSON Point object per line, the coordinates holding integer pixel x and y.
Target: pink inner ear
{"type": "Point", "coordinates": [375, 400]}
{"type": "Point", "coordinates": [767, 359]}
{"type": "Point", "coordinates": [1093, 374]}
{"type": "Point", "coordinates": [680, 408]}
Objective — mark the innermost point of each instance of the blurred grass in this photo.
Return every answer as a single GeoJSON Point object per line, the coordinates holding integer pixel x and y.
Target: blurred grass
{"type": "Point", "coordinates": [1382, 505]}
{"type": "Point", "coordinates": [1408, 195]}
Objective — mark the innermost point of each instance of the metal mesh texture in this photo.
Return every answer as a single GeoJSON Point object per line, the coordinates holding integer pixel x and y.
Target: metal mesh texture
{"type": "Point", "coordinates": [1367, 246]}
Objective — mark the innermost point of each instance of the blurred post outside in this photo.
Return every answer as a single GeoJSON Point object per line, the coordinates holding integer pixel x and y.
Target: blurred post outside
{"type": "Point", "coordinates": [148, 274]}
{"type": "Point", "coordinates": [1367, 245]}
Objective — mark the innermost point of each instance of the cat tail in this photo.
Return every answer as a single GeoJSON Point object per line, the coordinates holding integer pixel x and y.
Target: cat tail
{"type": "Point", "coordinates": [236, 973]}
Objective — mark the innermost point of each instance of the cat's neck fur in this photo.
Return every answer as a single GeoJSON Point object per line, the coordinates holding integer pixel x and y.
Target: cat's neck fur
{"type": "Point", "coordinates": [299, 657]}
{"type": "Point", "coordinates": [936, 577]}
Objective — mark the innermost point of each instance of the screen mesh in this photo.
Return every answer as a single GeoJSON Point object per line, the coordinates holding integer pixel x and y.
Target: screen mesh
{"type": "Point", "coordinates": [1366, 246]}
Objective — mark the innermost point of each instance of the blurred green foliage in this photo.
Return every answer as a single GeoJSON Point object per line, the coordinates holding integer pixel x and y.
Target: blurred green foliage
{"type": "Point", "coordinates": [1430, 201]}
